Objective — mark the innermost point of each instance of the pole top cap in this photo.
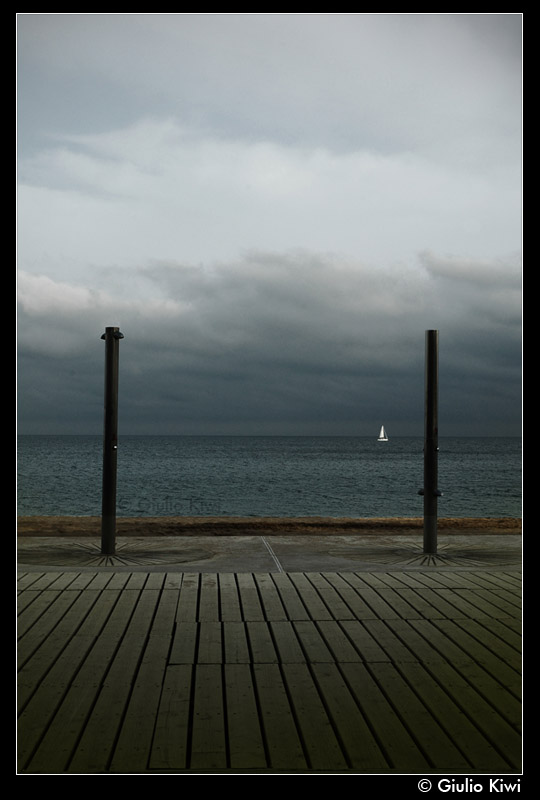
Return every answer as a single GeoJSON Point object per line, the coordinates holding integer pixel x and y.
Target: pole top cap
{"type": "Point", "coordinates": [114, 332]}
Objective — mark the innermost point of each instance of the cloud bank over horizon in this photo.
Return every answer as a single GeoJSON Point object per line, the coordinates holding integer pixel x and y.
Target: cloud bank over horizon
{"type": "Point", "coordinates": [273, 208]}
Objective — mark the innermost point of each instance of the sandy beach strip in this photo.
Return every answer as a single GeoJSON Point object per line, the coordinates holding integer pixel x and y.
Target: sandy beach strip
{"type": "Point", "coordinates": [259, 526]}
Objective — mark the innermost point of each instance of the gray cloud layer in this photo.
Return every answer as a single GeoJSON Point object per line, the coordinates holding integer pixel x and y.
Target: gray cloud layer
{"type": "Point", "coordinates": [273, 208]}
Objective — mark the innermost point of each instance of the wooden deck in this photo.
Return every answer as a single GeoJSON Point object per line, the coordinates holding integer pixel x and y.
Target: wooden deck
{"type": "Point", "coordinates": [371, 672]}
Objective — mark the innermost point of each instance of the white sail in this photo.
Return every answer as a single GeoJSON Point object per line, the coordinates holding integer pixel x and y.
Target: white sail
{"type": "Point", "coordinates": [382, 435]}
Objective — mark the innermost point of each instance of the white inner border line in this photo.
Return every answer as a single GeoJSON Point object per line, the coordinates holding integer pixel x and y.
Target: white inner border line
{"type": "Point", "coordinates": [276, 560]}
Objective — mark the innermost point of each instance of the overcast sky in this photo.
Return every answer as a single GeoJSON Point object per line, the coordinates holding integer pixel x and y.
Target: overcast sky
{"type": "Point", "coordinates": [273, 208]}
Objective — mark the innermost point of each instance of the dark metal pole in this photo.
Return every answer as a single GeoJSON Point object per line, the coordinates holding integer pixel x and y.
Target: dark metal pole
{"type": "Point", "coordinates": [431, 442]}
{"type": "Point", "coordinates": [112, 337]}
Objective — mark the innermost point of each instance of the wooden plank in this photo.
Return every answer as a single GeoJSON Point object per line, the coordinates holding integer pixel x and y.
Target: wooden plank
{"type": "Point", "coordinates": [511, 580]}
{"type": "Point", "coordinates": [103, 612]}
{"type": "Point", "coordinates": [399, 580]}
{"type": "Point", "coordinates": [43, 626]}
{"type": "Point", "coordinates": [25, 598]}
{"type": "Point", "coordinates": [421, 579]}
{"type": "Point", "coordinates": [360, 746]}
{"type": "Point", "coordinates": [425, 603]}
{"type": "Point", "coordinates": [401, 602]}
{"type": "Point", "coordinates": [92, 751]}
{"type": "Point", "coordinates": [41, 604]}
{"type": "Point", "coordinates": [374, 599]}
{"type": "Point", "coordinates": [455, 598]}
{"type": "Point", "coordinates": [448, 648]}
{"type": "Point", "coordinates": [54, 745]}
{"type": "Point", "coordinates": [503, 603]}
{"type": "Point", "coordinates": [45, 580]}
{"type": "Point", "coordinates": [209, 609]}
{"type": "Point", "coordinates": [63, 581]}
{"type": "Point", "coordinates": [173, 581]}
{"type": "Point", "coordinates": [505, 700]}
{"type": "Point", "coordinates": [95, 702]}
{"type": "Point", "coordinates": [419, 647]}
{"type": "Point", "coordinates": [49, 648]}
{"type": "Point", "coordinates": [133, 746]}
{"type": "Point", "coordinates": [101, 580]}
{"type": "Point", "coordinates": [395, 741]}
{"type": "Point", "coordinates": [365, 644]}
{"type": "Point", "coordinates": [332, 599]}
{"type": "Point", "coordinates": [230, 607]}
{"type": "Point", "coordinates": [351, 596]}
{"type": "Point", "coordinates": [164, 619]}
{"type": "Point", "coordinates": [210, 650]}
{"type": "Point", "coordinates": [261, 643]}
{"type": "Point", "coordinates": [119, 581]}
{"type": "Point", "coordinates": [514, 623]}
{"type": "Point", "coordinates": [188, 601]}
{"type": "Point", "coordinates": [291, 600]}
{"type": "Point", "coordinates": [490, 640]}
{"type": "Point", "coordinates": [456, 580]}
{"type": "Point", "coordinates": [444, 608]}
{"type": "Point", "coordinates": [97, 661]}
{"type": "Point", "coordinates": [236, 647]}
{"type": "Point", "coordinates": [270, 598]}
{"type": "Point", "coordinates": [514, 577]}
{"type": "Point", "coordinates": [384, 633]}
{"type": "Point", "coordinates": [154, 580]}
{"type": "Point", "coordinates": [512, 598]}
{"type": "Point", "coordinates": [209, 740]}
{"type": "Point", "coordinates": [431, 739]}
{"type": "Point", "coordinates": [55, 716]}
{"type": "Point", "coordinates": [505, 739]}
{"type": "Point", "coordinates": [244, 736]}
{"type": "Point", "coordinates": [126, 658]}
{"type": "Point", "coordinates": [283, 743]}
{"type": "Point", "coordinates": [338, 642]}
{"type": "Point", "coordinates": [483, 605]}
{"type": "Point", "coordinates": [321, 744]}
{"type": "Point", "coordinates": [310, 597]}
{"type": "Point", "coordinates": [82, 581]}
{"type": "Point", "coordinates": [137, 580]}
{"type": "Point", "coordinates": [249, 598]}
{"type": "Point", "coordinates": [477, 751]}
{"type": "Point", "coordinates": [312, 643]}
{"type": "Point", "coordinates": [26, 580]}
{"type": "Point", "coordinates": [366, 580]}
{"type": "Point", "coordinates": [170, 745]}
{"type": "Point", "coordinates": [51, 666]}
{"type": "Point", "coordinates": [505, 630]}
{"type": "Point", "coordinates": [185, 643]}
{"type": "Point", "coordinates": [499, 580]}
{"type": "Point", "coordinates": [286, 642]}
{"type": "Point", "coordinates": [505, 673]}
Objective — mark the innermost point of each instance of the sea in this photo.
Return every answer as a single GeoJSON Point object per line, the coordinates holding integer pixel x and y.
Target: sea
{"type": "Point", "coordinates": [269, 476]}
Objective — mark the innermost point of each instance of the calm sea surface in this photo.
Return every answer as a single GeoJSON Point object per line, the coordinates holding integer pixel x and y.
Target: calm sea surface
{"type": "Point", "coordinates": [268, 476]}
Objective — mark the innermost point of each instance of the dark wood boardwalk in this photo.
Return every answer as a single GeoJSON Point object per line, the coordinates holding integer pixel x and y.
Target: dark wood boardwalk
{"type": "Point", "coordinates": [371, 672]}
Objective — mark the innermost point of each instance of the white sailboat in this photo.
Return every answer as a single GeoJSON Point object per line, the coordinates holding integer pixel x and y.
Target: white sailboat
{"type": "Point", "coordinates": [382, 435]}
